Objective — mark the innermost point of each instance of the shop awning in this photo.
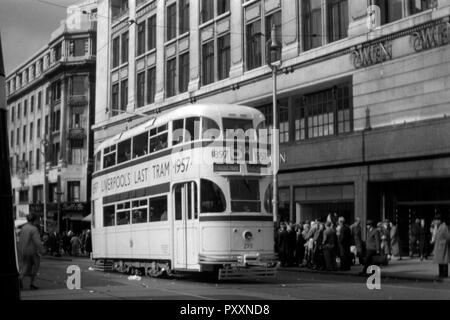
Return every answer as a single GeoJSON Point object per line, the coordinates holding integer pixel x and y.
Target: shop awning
{"type": "Point", "coordinates": [75, 216]}
{"type": "Point", "coordinates": [88, 218]}
{"type": "Point", "coordinates": [20, 222]}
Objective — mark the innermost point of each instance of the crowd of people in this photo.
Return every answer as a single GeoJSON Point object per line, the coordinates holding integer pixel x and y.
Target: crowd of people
{"type": "Point", "coordinates": [68, 243]}
{"type": "Point", "coordinates": [331, 244]}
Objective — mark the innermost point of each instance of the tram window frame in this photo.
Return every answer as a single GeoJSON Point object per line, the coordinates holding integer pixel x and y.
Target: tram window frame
{"type": "Point", "coordinates": [123, 207]}
{"type": "Point", "coordinates": [111, 215]}
{"type": "Point", "coordinates": [136, 206]}
{"type": "Point", "coordinates": [160, 215]}
{"type": "Point", "coordinates": [98, 161]}
{"type": "Point", "coordinates": [239, 199]}
{"type": "Point", "coordinates": [109, 153]}
{"type": "Point", "coordinates": [207, 133]}
{"type": "Point", "coordinates": [209, 185]}
{"type": "Point", "coordinates": [124, 151]}
{"type": "Point", "coordinates": [176, 125]}
{"type": "Point", "coordinates": [158, 138]}
{"type": "Point", "coordinates": [140, 145]}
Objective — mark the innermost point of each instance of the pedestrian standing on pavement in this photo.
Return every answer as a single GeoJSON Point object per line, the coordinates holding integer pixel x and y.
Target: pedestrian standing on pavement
{"type": "Point", "coordinates": [357, 238]}
{"type": "Point", "coordinates": [441, 247]}
{"type": "Point", "coordinates": [30, 249]}
{"type": "Point", "coordinates": [76, 244]}
{"type": "Point", "coordinates": [299, 245]}
{"type": "Point", "coordinates": [88, 247]}
{"type": "Point", "coordinates": [345, 242]}
{"type": "Point", "coordinates": [329, 247]}
{"type": "Point", "coordinates": [372, 245]}
{"type": "Point", "coordinates": [423, 241]}
{"type": "Point", "coordinates": [414, 238]}
{"type": "Point", "coordinates": [283, 239]}
{"type": "Point", "coordinates": [292, 240]}
{"type": "Point", "coordinates": [318, 259]}
{"type": "Point", "coordinates": [385, 241]}
{"type": "Point", "coordinates": [395, 241]}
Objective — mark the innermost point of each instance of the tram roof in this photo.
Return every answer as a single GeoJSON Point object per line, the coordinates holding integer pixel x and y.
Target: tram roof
{"type": "Point", "coordinates": [213, 111]}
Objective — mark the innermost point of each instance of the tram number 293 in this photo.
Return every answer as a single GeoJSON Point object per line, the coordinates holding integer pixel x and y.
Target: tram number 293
{"type": "Point", "coordinates": [248, 245]}
{"type": "Point", "coordinates": [182, 165]}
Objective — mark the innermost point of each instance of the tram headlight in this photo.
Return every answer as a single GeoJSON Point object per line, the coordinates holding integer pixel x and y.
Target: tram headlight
{"type": "Point", "coordinates": [248, 235]}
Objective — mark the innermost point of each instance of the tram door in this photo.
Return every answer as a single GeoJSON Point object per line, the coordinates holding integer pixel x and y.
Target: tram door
{"type": "Point", "coordinates": [185, 226]}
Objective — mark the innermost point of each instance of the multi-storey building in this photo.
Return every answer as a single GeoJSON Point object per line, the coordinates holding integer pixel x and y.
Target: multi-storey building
{"type": "Point", "coordinates": [51, 103]}
{"type": "Point", "coordinates": [362, 94]}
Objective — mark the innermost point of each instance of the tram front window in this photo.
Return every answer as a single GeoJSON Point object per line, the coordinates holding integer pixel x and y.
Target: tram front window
{"type": "Point", "coordinates": [245, 195]}
{"type": "Point", "coordinates": [212, 198]}
{"type": "Point", "coordinates": [230, 125]}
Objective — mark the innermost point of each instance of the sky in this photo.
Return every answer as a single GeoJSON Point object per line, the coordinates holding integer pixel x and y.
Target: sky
{"type": "Point", "coordinates": [26, 25]}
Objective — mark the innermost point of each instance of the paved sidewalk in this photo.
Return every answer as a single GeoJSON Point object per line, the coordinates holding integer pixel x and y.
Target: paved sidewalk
{"type": "Point", "coordinates": [406, 269]}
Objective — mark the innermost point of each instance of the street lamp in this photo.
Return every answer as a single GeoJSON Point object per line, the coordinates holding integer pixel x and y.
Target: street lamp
{"type": "Point", "coordinates": [274, 65]}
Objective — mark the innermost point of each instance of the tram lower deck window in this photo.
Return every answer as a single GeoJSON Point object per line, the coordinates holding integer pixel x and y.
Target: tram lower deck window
{"type": "Point", "coordinates": [212, 198]}
{"type": "Point", "coordinates": [109, 216]}
{"type": "Point", "coordinates": [158, 209]}
{"type": "Point", "coordinates": [245, 195]}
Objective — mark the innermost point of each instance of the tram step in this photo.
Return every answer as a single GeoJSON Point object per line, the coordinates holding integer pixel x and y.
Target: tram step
{"type": "Point", "coordinates": [236, 273]}
{"type": "Point", "coordinates": [103, 265]}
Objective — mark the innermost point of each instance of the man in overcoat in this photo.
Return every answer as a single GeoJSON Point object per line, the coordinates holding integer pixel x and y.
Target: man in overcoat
{"type": "Point", "coordinates": [441, 247]}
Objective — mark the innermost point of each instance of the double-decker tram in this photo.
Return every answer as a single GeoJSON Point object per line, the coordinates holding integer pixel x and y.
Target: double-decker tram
{"type": "Point", "coordinates": [189, 190]}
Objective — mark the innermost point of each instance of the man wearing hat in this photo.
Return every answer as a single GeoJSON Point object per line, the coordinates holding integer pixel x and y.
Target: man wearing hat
{"type": "Point", "coordinates": [372, 245]}
{"type": "Point", "coordinates": [441, 246]}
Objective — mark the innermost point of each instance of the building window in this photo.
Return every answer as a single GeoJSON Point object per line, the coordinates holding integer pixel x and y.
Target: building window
{"type": "Point", "coordinates": [170, 77]}
{"type": "Point", "coordinates": [32, 104]}
{"type": "Point", "coordinates": [55, 154]}
{"type": "Point", "coordinates": [115, 98]}
{"type": "Point", "coordinates": [23, 196]}
{"type": "Point", "coordinates": [75, 120]}
{"type": "Point", "coordinates": [124, 37]}
{"type": "Point", "coordinates": [25, 107]}
{"type": "Point", "coordinates": [77, 48]}
{"type": "Point", "coordinates": [208, 62]}
{"type": "Point", "coordinates": [283, 122]}
{"type": "Point", "coordinates": [18, 110]}
{"type": "Point", "coordinates": [223, 6]}
{"type": "Point", "coordinates": [140, 86]}
{"type": "Point", "coordinates": [337, 20]}
{"type": "Point", "coordinates": [24, 133]}
{"type": "Point", "coordinates": [31, 131]}
{"type": "Point", "coordinates": [118, 8]}
{"type": "Point", "coordinates": [115, 52]}
{"type": "Point", "coordinates": [151, 32]}
{"type": "Point", "coordinates": [38, 194]}
{"type": "Point", "coordinates": [78, 86]}
{"type": "Point", "coordinates": [58, 51]}
{"type": "Point", "coordinates": [12, 138]}
{"type": "Point", "coordinates": [73, 188]}
{"type": "Point", "coordinates": [207, 11]}
{"type": "Point", "coordinates": [56, 120]}
{"type": "Point", "coordinates": [46, 124]}
{"type": "Point", "coordinates": [171, 21]}
{"type": "Point", "coordinates": [416, 6]}
{"type": "Point", "coordinates": [39, 100]}
{"type": "Point", "coordinates": [38, 158]}
{"type": "Point", "coordinates": [184, 72]}
{"type": "Point", "coordinates": [18, 136]}
{"type": "Point", "coordinates": [123, 94]}
{"type": "Point", "coordinates": [38, 128]}
{"type": "Point", "coordinates": [30, 160]}
{"type": "Point", "coordinates": [140, 38]}
{"type": "Point", "coordinates": [258, 32]}
{"type": "Point", "coordinates": [323, 113]}
{"type": "Point", "coordinates": [12, 114]}
{"type": "Point", "coordinates": [56, 91]}
{"type": "Point", "coordinates": [223, 47]}
{"type": "Point", "coordinates": [151, 85]}
{"type": "Point", "coordinates": [312, 34]}
{"type": "Point", "coordinates": [184, 16]}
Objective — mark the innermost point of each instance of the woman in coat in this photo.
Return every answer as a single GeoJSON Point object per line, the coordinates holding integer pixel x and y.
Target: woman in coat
{"type": "Point", "coordinates": [441, 246]}
{"type": "Point", "coordinates": [395, 244]}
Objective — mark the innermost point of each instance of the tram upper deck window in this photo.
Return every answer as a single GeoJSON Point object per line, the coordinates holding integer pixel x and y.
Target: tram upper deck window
{"type": "Point", "coordinates": [177, 131]}
{"type": "Point", "coordinates": [109, 216]}
{"type": "Point", "coordinates": [123, 213]}
{"type": "Point", "coordinates": [109, 156]}
{"type": "Point", "coordinates": [230, 125]}
{"type": "Point", "coordinates": [212, 198]}
{"type": "Point", "coordinates": [158, 138]}
{"type": "Point", "coordinates": [124, 151]}
{"type": "Point", "coordinates": [158, 209]}
{"type": "Point", "coordinates": [245, 195]}
{"type": "Point", "coordinates": [98, 160]}
{"type": "Point", "coordinates": [140, 145]}
{"type": "Point", "coordinates": [139, 211]}
{"type": "Point", "coordinates": [192, 129]}
{"type": "Point", "coordinates": [210, 129]}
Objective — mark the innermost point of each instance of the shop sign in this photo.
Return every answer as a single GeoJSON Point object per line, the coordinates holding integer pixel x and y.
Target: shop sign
{"type": "Point", "coordinates": [74, 207]}
{"type": "Point", "coordinates": [431, 37]}
{"type": "Point", "coordinates": [374, 53]}
{"type": "Point", "coordinates": [36, 207]}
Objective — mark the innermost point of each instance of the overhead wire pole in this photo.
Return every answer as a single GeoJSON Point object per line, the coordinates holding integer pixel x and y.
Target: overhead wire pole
{"type": "Point", "coordinates": [274, 65]}
{"type": "Point", "coordinates": [9, 275]}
